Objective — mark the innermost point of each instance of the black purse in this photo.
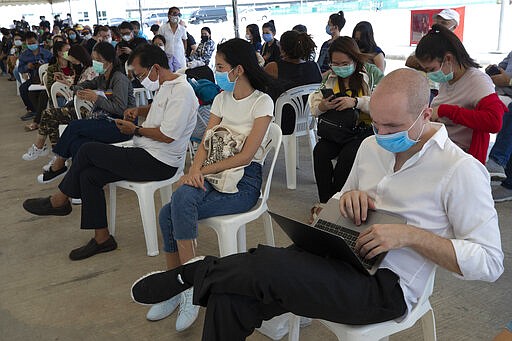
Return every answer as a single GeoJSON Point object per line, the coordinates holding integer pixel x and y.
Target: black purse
{"type": "Point", "coordinates": [338, 126]}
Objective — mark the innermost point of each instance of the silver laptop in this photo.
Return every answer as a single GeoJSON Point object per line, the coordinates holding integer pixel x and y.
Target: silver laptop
{"type": "Point", "coordinates": [334, 236]}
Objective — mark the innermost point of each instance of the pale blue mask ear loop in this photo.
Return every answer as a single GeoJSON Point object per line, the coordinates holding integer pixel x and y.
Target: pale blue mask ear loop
{"type": "Point", "coordinates": [376, 131]}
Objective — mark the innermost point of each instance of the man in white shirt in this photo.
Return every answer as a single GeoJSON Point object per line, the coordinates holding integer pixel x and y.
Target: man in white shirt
{"type": "Point", "coordinates": [410, 168]}
{"type": "Point", "coordinates": [175, 37]}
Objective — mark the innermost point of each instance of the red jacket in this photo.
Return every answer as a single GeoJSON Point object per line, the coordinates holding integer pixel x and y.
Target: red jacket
{"type": "Point", "coordinates": [486, 118]}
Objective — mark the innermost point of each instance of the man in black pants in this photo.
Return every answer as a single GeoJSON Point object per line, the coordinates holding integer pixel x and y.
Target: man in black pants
{"type": "Point", "coordinates": [242, 290]}
{"type": "Point", "coordinates": [159, 150]}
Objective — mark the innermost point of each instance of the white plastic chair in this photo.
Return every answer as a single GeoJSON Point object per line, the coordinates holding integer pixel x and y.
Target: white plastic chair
{"type": "Point", "coordinates": [60, 89]}
{"type": "Point", "coordinates": [42, 70]}
{"type": "Point", "coordinates": [80, 103]}
{"type": "Point", "coordinates": [142, 96]}
{"type": "Point", "coordinates": [230, 229]}
{"type": "Point", "coordinates": [145, 193]}
{"type": "Point", "coordinates": [304, 126]}
{"type": "Point", "coordinates": [381, 331]}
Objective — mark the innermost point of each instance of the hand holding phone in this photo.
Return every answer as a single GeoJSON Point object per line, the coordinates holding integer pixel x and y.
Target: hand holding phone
{"type": "Point", "coordinates": [326, 93]}
{"type": "Point", "coordinates": [492, 70]}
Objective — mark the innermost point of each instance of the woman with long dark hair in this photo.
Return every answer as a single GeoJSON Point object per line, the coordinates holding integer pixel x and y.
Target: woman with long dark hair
{"type": "Point", "coordinates": [467, 102]}
{"type": "Point", "coordinates": [270, 51]}
{"type": "Point", "coordinates": [363, 35]}
{"type": "Point", "coordinates": [351, 89]}
{"type": "Point", "coordinates": [81, 64]}
{"type": "Point", "coordinates": [334, 26]}
{"type": "Point", "coordinates": [111, 93]}
{"type": "Point", "coordinates": [252, 34]}
{"type": "Point", "coordinates": [243, 107]}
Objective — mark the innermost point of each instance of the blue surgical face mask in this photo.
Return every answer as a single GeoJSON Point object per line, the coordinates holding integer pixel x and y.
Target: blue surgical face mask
{"type": "Point", "coordinates": [32, 47]}
{"type": "Point", "coordinates": [398, 142]}
{"type": "Point", "coordinates": [72, 36]}
{"type": "Point", "coordinates": [439, 76]}
{"type": "Point", "coordinates": [344, 71]}
{"type": "Point", "coordinates": [222, 80]}
{"type": "Point", "coordinates": [328, 30]}
{"type": "Point", "coordinates": [113, 43]}
{"type": "Point", "coordinates": [98, 67]}
{"type": "Point", "coordinates": [267, 37]}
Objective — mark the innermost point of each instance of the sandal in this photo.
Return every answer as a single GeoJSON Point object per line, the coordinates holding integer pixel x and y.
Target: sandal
{"type": "Point", "coordinates": [315, 211]}
{"type": "Point", "coordinates": [31, 126]}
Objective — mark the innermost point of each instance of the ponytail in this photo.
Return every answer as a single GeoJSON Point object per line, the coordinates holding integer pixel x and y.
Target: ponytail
{"type": "Point", "coordinates": [440, 40]}
{"type": "Point", "coordinates": [297, 45]}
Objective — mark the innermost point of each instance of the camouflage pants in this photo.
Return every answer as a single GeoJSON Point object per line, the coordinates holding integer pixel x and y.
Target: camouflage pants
{"type": "Point", "coordinates": [52, 118]}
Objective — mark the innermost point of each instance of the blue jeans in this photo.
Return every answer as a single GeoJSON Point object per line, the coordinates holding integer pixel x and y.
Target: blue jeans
{"type": "Point", "coordinates": [79, 132]}
{"type": "Point", "coordinates": [502, 148]}
{"type": "Point", "coordinates": [178, 219]}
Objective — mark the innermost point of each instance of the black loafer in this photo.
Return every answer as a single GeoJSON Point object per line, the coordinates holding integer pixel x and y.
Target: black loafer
{"type": "Point", "coordinates": [43, 206]}
{"type": "Point", "coordinates": [92, 248]}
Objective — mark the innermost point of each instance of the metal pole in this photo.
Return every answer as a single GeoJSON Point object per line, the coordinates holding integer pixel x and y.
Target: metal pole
{"type": "Point", "coordinates": [69, 5]}
{"type": "Point", "coordinates": [502, 18]}
{"type": "Point", "coordinates": [235, 17]}
{"type": "Point", "coordinates": [140, 15]}
{"type": "Point", "coordinates": [96, 8]}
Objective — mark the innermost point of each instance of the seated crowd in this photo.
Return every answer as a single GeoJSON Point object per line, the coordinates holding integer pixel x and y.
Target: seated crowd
{"type": "Point", "coordinates": [377, 135]}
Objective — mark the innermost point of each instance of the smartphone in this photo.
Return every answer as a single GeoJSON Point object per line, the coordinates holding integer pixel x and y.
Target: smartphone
{"type": "Point", "coordinates": [492, 70]}
{"type": "Point", "coordinates": [327, 93]}
{"type": "Point", "coordinates": [110, 119]}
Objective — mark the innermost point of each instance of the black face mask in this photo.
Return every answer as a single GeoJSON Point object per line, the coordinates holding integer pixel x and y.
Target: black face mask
{"type": "Point", "coordinates": [204, 39]}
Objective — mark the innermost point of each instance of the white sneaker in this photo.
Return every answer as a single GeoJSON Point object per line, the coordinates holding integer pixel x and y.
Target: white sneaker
{"type": "Point", "coordinates": [34, 152]}
{"type": "Point", "coordinates": [47, 167]}
{"type": "Point", "coordinates": [495, 170]}
{"type": "Point", "coordinates": [163, 309]}
{"type": "Point", "coordinates": [187, 314]}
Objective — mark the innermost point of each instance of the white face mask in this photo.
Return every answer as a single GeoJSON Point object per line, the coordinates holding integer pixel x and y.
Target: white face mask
{"type": "Point", "coordinates": [162, 47]}
{"type": "Point", "coordinates": [149, 84]}
{"type": "Point", "coordinates": [87, 36]}
{"type": "Point", "coordinates": [109, 39]}
{"type": "Point", "coordinates": [247, 37]}
{"type": "Point", "coordinates": [127, 37]}
{"type": "Point", "coordinates": [174, 19]}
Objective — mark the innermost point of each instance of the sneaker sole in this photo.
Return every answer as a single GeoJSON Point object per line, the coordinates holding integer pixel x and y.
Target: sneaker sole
{"type": "Point", "coordinates": [503, 199]}
{"type": "Point", "coordinates": [41, 181]}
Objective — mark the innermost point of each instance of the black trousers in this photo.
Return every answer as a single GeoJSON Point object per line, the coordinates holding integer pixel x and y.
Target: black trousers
{"type": "Point", "coordinates": [242, 290]}
{"type": "Point", "coordinates": [24, 94]}
{"type": "Point", "coordinates": [97, 164]}
{"type": "Point", "coordinates": [329, 179]}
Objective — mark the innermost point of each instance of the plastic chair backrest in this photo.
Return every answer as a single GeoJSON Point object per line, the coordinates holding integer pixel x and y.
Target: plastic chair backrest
{"type": "Point", "coordinates": [274, 139]}
{"type": "Point", "coordinates": [60, 89]}
{"type": "Point", "coordinates": [293, 97]}
{"type": "Point", "coordinates": [429, 288]}
{"type": "Point", "coordinates": [80, 103]}
{"type": "Point", "coordinates": [42, 70]}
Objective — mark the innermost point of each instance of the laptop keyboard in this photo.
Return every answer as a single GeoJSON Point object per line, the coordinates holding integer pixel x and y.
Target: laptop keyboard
{"type": "Point", "coordinates": [350, 237]}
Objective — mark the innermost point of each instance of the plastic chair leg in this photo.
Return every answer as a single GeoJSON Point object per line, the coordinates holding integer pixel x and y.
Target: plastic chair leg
{"type": "Point", "coordinates": [294, 328]}
{"type": "Point", "coordinates": [312, 144]}
{"type": "Point", "coordinates": [228, 242]}
{"type": "Point", "coordinates": [428, 324]}
{"type": "Point", "coordinates": [165, 194]}
{"type": "Point", "coordinates": [269, 231]}
{"type": "Point", "coordinates": [241, 239]}
{"type": "Point", "coordinates": [113, 205]}
{"type": "Point", "coordinates": [290, 157]}
{"type": "Point", "coordinates": [147, 212]}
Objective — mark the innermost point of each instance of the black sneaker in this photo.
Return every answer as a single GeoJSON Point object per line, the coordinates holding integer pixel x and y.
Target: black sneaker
{"type": "Point", "coordinates": [43, 206]}
{"type": "Point", "coordinates": [28, 116]}
{"type": "Point", "coordinates": [50, 175]}
{"type": "Point", "coordinates": [92, 248]}
{"type": "Point", "coordinates": [159, 286]}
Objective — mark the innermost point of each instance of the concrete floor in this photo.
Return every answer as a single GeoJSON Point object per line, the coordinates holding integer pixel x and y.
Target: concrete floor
{"type": "Point", "coordinates": [45, 296]}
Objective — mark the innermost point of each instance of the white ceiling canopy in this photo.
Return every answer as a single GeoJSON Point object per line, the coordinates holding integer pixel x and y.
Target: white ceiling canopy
{"type": "Point", "coordinates": [29, 2]}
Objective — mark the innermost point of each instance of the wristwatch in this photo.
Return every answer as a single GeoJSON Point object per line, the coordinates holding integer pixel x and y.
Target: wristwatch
{"type": "Point", "coordinates": [136, 132]}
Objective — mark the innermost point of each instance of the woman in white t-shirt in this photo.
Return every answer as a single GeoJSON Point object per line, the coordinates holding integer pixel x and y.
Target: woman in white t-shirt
{"type": "Point", "coordinates": [245, 108]}
{"type": "Point", "coordinates": [467, 102]}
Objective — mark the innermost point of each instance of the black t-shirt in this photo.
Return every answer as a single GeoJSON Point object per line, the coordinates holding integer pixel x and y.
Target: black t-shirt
{"type": "Point", "coordinates": [274, 50]}
{"type": "Point", "coordinates": [190, 41]}
{"type": "Point", "coordinates": [89, 45]}
{"type": "Point", "coordinates": [132, 44]}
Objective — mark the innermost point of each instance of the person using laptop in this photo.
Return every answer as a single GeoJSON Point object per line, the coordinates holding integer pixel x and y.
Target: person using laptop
{"type": "Point", "coordinates": [242, 290]}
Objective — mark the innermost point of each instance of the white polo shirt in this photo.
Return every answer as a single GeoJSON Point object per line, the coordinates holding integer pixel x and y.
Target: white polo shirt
{"type": "Point", "coordinates": [174, 111]}
{"type": "Point", "coordinates": [174, 43]}
{"type": "Point", "coordinates": [440, 189]}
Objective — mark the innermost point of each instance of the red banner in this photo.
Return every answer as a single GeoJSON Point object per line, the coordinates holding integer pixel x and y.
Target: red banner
{"type": "Point", "coordinates": [422, 20]}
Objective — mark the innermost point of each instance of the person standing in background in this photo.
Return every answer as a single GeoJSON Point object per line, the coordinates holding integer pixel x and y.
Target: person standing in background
{"type": "Point", "coordinates": [175, 36]}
